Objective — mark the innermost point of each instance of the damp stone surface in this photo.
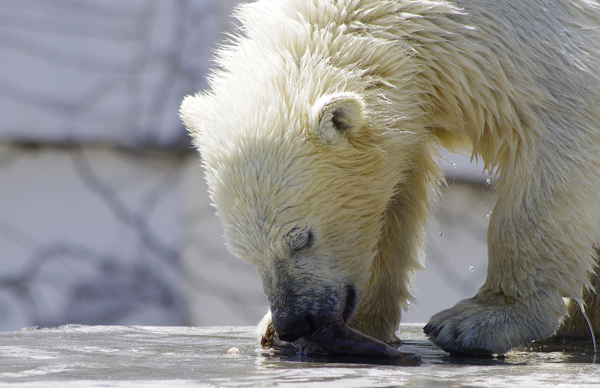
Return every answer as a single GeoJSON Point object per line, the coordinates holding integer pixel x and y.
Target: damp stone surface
{"type": "Point", "coordinates": [142, 356]}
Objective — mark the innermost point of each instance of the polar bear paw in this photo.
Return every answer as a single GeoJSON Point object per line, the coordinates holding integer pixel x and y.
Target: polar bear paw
{"type": "Point", "coordinates": [474, 327]}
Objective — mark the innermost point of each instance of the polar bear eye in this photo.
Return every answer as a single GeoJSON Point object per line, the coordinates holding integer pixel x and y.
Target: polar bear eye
{"type": "Point", "coordinates": [299, 239]}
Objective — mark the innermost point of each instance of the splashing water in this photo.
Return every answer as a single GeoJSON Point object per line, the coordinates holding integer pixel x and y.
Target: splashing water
{"type": "Point", "coordinates": [582, 308]}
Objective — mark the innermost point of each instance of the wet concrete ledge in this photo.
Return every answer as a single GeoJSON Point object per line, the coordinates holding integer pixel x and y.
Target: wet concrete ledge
{"type": "Point", "coordinates": [119, 356]}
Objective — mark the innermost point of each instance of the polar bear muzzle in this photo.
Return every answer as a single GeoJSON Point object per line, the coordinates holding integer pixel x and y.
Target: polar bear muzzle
{"type": "Point", "coordinates": [298, 316]}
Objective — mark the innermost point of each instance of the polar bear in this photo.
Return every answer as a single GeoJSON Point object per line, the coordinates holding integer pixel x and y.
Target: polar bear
{"type": "Point", "coordinates": [320, 135]}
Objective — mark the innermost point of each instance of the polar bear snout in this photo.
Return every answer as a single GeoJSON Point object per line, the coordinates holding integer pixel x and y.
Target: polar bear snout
{"type": "Point", "coordinates": [300, 315]}
{"type": "Point", "coordinates": [292, 329]}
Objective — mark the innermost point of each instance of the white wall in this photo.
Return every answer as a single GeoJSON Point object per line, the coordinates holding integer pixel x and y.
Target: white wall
{"type": "Point", "coordinates": [92, 156]}
{"type": "Point", "coordinates": [90, 235]}
{"type": "Point", "coordinates": [106, 71]}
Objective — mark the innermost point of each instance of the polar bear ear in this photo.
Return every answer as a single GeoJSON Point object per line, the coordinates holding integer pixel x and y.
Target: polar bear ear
{"type": "Point", "coordinates": [191, 112]}
{"type": "Point", "coordinates": [335, 117]}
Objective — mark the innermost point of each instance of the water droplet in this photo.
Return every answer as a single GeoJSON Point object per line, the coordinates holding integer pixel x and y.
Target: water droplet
{"type": "Point", "coordinates": [440, 234]}
{"type": "Point", "coordinates": [488, 181]}
{"type": "Point", "coordinates": [453, 165]}
{"type": "Point", "coordinates": [471, 268]}
{"type": "Point", "coordinates": [489, 215]}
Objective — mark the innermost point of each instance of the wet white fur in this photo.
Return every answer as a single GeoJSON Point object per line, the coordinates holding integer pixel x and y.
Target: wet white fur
{"type": "Point", "coordinates": [514, 83]}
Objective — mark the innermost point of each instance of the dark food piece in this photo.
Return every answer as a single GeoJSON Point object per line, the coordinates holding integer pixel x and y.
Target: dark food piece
{"type": "Point", "coordinates": [340, 340]}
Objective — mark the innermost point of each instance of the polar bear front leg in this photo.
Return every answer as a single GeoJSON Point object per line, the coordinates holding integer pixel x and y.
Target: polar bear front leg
{"type": "Point", "coordinates": [538, 253]}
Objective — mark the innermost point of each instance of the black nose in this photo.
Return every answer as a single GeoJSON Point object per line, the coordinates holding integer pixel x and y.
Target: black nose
{"type": "Point", "coordinates": [291, 329]}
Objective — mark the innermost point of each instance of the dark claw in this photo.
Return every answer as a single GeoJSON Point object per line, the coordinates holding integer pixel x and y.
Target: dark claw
{"type": "Point", "coordinates": [432, 331]}
{"type": "Point", "coordinates": [456, 334]}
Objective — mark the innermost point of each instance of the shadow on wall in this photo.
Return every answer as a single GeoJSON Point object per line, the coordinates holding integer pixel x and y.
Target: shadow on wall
{"type": "Point", "coordinates": [92, 154]}
{"type": "Point", "coordinates": [90, 235]}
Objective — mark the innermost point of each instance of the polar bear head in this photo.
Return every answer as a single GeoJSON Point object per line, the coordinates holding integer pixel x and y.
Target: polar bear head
{"type": "Point", "coordinates": [309, 138]}
{"type": "Point", "coordinates": [301, 186]}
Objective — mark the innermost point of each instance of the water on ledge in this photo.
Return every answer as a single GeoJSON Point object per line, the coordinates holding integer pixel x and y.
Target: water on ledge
{"type": "Point", "coordinates": [117, 356]}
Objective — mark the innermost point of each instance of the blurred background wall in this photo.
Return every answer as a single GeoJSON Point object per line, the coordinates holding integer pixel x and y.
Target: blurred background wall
{"type": "Point", "coordinates": [104, 214]}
